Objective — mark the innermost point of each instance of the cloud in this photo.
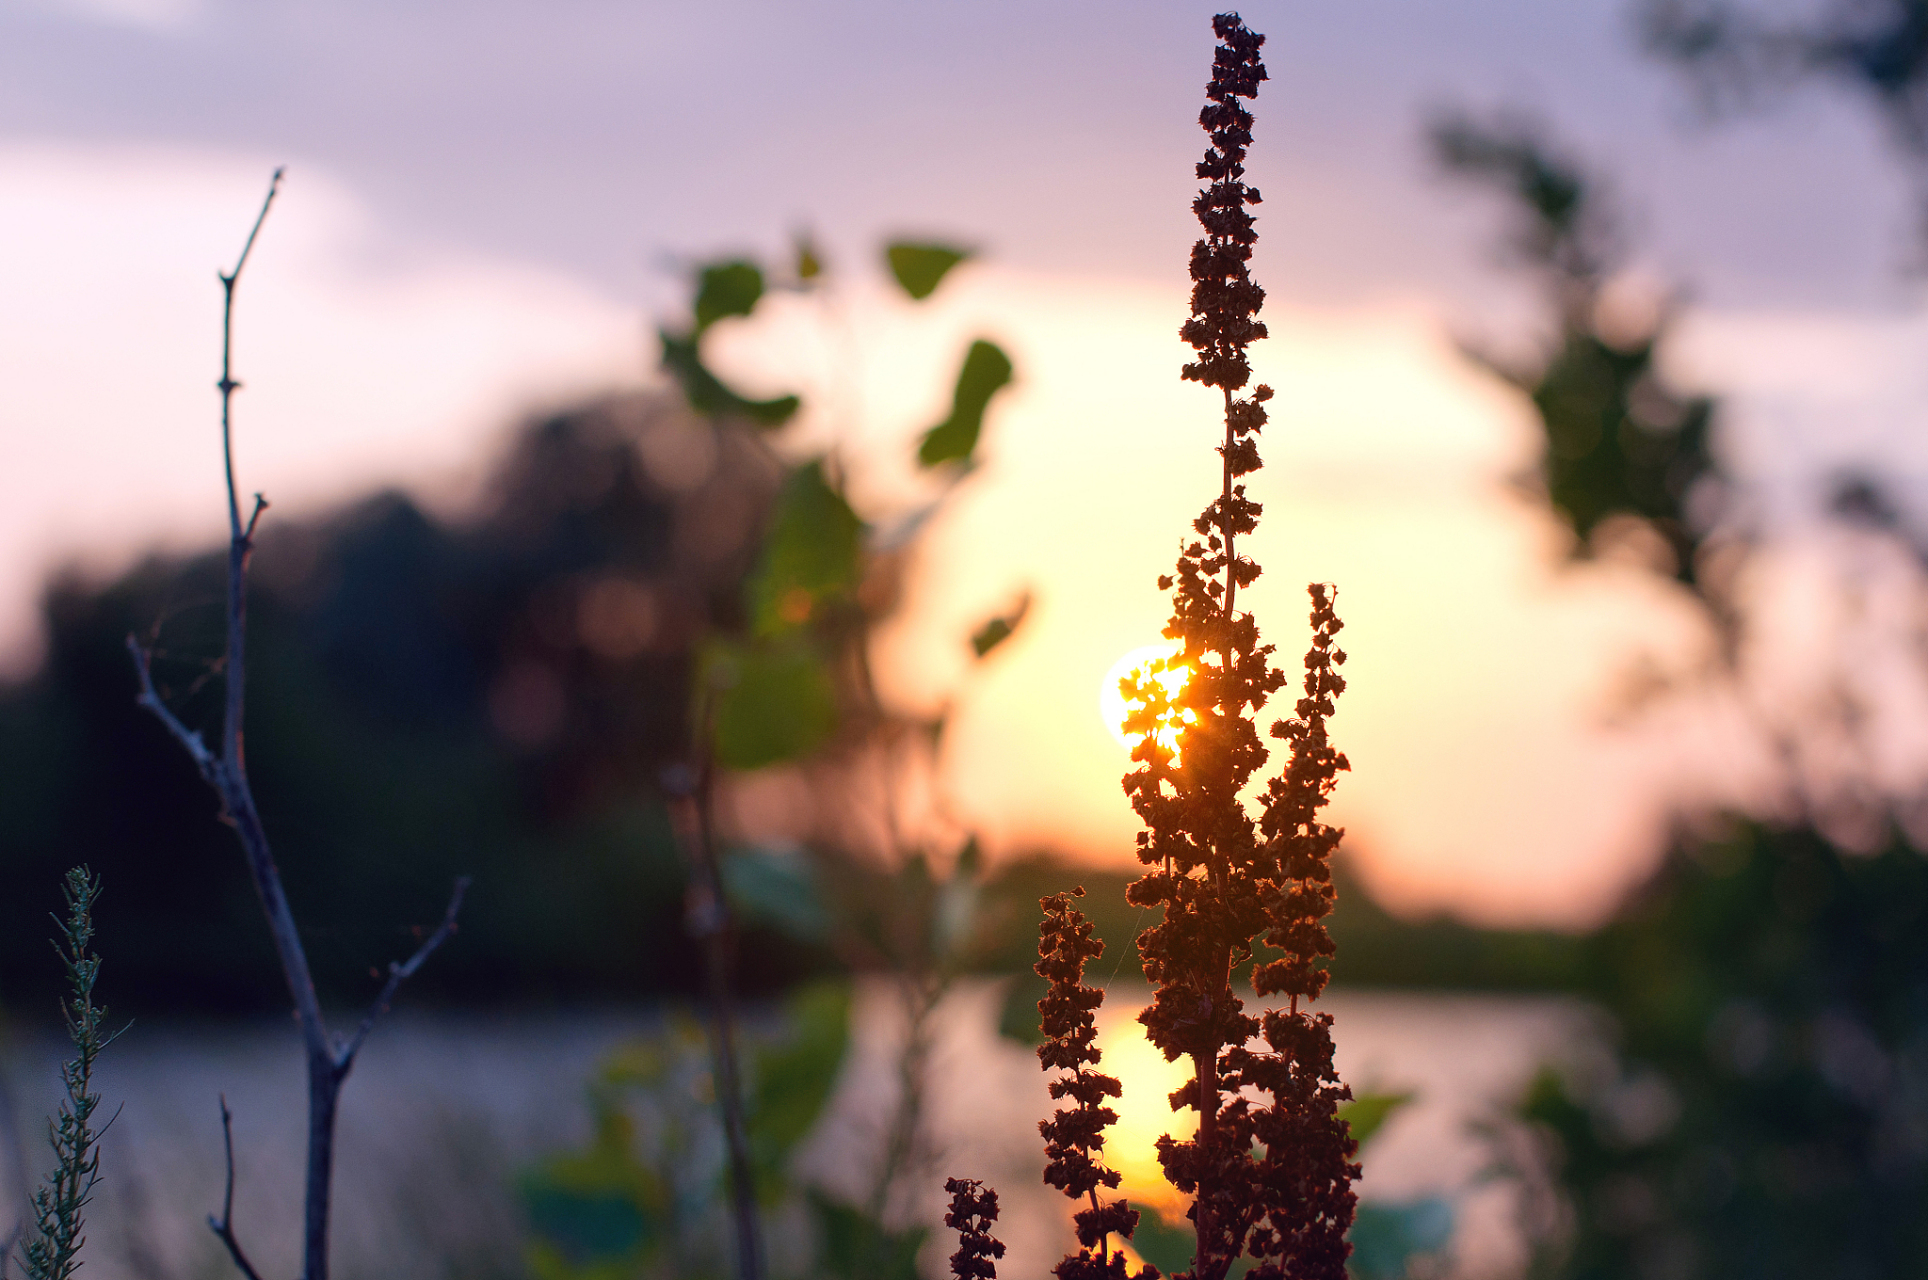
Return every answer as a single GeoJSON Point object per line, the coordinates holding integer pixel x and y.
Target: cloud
{"type": "Point", "coordinates": [364, 359]}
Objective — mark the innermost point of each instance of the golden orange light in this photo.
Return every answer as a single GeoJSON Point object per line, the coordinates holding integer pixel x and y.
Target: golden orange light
{"type": "Point", "coordinates": [1111, 702]}
{"type": "Point", "coordinates": [1144, 1112]}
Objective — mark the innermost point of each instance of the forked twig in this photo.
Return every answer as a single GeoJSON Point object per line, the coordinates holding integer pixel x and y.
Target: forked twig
{"type": "Point", "coordinates": [224, 767]}
{"type": "Point", "coordinates": [223, 1226]}
{"type": "Point", "coordinates": [150, 700]}
{"type": "Point", "coordinates": [399, 973]}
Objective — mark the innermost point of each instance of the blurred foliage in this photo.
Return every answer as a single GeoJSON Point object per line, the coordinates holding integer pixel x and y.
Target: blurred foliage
{"type": "Point", "coordinates": [1620, 444]}
{"type": "Point", "coordinates": [997, 630]}
{"type": "Point", "coordinates": [813, 557]}
{"type": "Point", "coordinates": [646, 1196]}
{"type": "Point", "coordinates": [723, 289]}
{"type": "Point", "coordinates": [887, 889]}
{"type": "Point", "coordinates": [726, 289]}
{"type": "Point", "coordinates": [1764, 1109]}
{"type": "Point", "coordinates": [1758, 1104]}
{"type": "Point", "coordinates": [856, 1247]}
{"type": "Point", "coordinates": [986, 371]}
{"type": "Point", "coordinates": [1367, 1113]}
{"type": "Point", "coordinates": [1390, 1238]}
{"type": "Point", "coordinates": [796, 685]}
{"type": "Point", "coordinates": [771, 704]}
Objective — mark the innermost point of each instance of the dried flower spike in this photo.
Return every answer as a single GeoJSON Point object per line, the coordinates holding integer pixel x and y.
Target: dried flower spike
{"type": "Point", "coordinates": [973, 1210]}
{"type": "Point", "coordinates": [1269, 1169]}
{"type": "Point", "coordinates": [1074, 1137]}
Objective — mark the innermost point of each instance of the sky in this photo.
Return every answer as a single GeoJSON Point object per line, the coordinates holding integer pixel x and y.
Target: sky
{"type": "Point", "coordinates": [488, 204]}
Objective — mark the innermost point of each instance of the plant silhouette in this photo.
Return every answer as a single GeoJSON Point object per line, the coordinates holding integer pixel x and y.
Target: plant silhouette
{"type": "Point", "coordinates": [1270, 1169]}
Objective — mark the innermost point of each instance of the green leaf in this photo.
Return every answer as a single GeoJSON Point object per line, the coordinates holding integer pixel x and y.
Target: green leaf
{"type": "Point", "coordinates": [1367, 1112]}
{"type": "Point", "coordinates": [986, 370]}
{"type": "Point", "coordinates": [771, 706]}
{"type": "Point", "coordinates": [811, 556]}
{"type": "Point", "coordinates": [997, 630]}
{"type": "Point", "coordinates": [707, 394]}
{"type": "Point", "coordinates": [726, 289]}
{"type": "Point", "coordinates": [583, 1227]}
{"type": "Point", "coordinates": [856, 1246]}
{"type": "Point", "coordinates": [794, 1079]}
{"type": "Point", "coordinates": [809, 261]}
{"type": "Point", "coordinates": [778, 888]}
{"type": "Point", "coordinates": [920, 268]}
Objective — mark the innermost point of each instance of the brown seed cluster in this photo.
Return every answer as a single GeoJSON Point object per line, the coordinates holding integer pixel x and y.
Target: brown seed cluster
{"type": "Point", "coordinates": [973, 1210]}
{"type": "Point", "coordinates": [1269, 1170]}
{"type": "Point", "coordinates": [1074, 1137]}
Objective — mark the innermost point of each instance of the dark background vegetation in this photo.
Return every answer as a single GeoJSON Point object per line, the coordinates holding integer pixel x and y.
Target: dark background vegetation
{"type": "Point", "coordinates": [436, 697]}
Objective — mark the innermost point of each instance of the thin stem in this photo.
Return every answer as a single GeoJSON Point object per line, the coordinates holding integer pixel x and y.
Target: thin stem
{"type": "Point", "coordinates": [149, 699]}
{"type": "Point", "coordinates": [1225, 515]}
{"type": "Point", "coordinates": [228, 386]}
{"type": "Point", "coordinates": [223, 1226]}
{"type": "Point", "coordinates": [240, 539]}
{"type": "Point", "coordinates": [399, 973]}
{"type": "Point", "coordinates": [708, 921]}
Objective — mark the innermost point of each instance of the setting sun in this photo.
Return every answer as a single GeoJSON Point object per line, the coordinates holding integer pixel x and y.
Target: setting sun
{"type": "Point", "coordinates": [1111, 701]}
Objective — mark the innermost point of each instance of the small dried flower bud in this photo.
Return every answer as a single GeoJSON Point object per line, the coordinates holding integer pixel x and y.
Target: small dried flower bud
{"type": "Point", "coordinates": [973, 1210]}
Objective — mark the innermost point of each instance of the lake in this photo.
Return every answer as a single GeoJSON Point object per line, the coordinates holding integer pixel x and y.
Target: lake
{"type": "Point", "coordinates": [443, 1109]}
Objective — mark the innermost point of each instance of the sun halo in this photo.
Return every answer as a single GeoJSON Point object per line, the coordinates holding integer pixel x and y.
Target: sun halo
{"type": "Point", "coordinates": [1111, 701]}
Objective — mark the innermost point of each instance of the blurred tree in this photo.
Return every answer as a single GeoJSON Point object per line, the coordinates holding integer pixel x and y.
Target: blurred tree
{"type": "Point", "coordinates": [1760, 1104]}
{"type": "Point", "coordinates": [491, 694]}
{"type": "Point", "coordinates": [1764, 1109]}
{"type": "Point", "coordinates": [1743, 55]}
{"type": "Point", "coordinates": [1622, 446]}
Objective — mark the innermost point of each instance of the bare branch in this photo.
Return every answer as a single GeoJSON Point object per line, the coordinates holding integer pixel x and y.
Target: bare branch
{"type": "Point", "coordinates": [223, 1226]}
{"type": "Point", "coordinates": [225, 769]}
{"type": "Point", "coordinates": [150, 699]}
{"type": "Point", "coordinates": [398, 974]}
{"type": "Point", "coordinates": [227, 384]}
{"type": "Point", "coordinates": [274, 185]}
{"type": "Point", "coordinates": [254, 518]}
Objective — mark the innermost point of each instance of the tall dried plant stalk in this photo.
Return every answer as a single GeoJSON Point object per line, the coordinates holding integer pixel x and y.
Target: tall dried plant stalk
{"type": "Point", "coordinates": [1269, 1169]}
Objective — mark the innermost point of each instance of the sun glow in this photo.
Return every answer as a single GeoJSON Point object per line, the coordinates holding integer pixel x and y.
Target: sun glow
{"type": "Point", "coordinates": [1111, 700]}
